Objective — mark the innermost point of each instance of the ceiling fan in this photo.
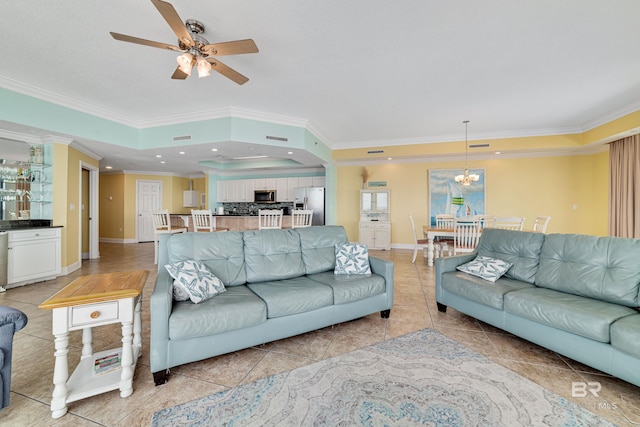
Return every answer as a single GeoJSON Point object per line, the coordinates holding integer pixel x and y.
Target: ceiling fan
{"type": "Point", "coordinates": [196, 50]}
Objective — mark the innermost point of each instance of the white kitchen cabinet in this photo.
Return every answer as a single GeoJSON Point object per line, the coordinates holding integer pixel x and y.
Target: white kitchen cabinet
{"type": "Point", "coordinates": [375, 234]}
{"type": "Point", "coordinates": [305, 181]}
{"type": "Point", "coordinates": [292, 184]}
{"type": "Point", "coordinates": [34, 255]}
{"type": "Point", "coordinates": [375, 225]}
{"type": "Point", "coordinates": [282, 190]}
{"type": "Point", "coordinates": [222, 191]}
{"type": "Point", "coordinates": [318, 181]}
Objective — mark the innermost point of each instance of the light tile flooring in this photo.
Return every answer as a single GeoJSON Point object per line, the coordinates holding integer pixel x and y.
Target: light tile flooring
{"type": "Point", "coordinates": [414, 309]}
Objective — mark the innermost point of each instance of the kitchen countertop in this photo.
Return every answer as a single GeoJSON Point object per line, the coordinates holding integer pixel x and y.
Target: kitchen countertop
{"type": "Point", "coordinates": [25, 224]}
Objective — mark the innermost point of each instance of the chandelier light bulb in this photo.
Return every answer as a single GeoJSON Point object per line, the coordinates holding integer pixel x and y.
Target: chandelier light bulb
{"type": "Point", "coordinates": [466, 178]}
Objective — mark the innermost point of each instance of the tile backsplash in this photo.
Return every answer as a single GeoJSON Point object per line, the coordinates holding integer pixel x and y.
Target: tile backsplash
{"type": "Point", "coordinates": [244, 208]}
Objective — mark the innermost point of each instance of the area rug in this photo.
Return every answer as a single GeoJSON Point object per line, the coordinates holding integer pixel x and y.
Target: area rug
{"type": "Point", "coordinates": [419, 379]}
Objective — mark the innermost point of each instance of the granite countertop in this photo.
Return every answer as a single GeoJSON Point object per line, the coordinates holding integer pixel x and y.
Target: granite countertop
{"type": "Point", "coordinates": [25, 224]}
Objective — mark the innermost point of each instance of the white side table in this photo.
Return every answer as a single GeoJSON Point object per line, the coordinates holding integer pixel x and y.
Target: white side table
{"type": "Point", "coordinates": [88, 302]}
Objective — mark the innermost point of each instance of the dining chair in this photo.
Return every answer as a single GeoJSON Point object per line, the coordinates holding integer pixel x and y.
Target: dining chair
{"type": "Point", "coordinates": [162, 225]}
{"type": "Point", "coordinates": [540, 224]}
{"type": "Point", "coordinates": [301, 218]}
{"type": "Point", "coordinates": [445, 220]}
{"type": "Point", "coordinates": [417, 243]}
{"type": "Point", "coordinates": [487, 221]}
{"type": "Point", "coordinates": [269, 219]}
{"type": "Point", "coordinates": [203, 220]}
{"type": "Point", "coordinates": [510, 223]}
{"type": "Point", "coordinates": [465, 236]}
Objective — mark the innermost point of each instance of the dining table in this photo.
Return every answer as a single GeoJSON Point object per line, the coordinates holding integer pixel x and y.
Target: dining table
{"type": "Point", "coordinates": [431, 232]}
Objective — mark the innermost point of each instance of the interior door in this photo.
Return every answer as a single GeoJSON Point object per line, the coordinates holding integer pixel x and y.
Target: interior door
{"type": "Point", "coordinates": [149, 197]}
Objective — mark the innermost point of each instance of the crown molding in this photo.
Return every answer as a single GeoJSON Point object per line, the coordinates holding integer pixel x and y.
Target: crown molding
{"type": "Point", "coordinates": [438, 158]}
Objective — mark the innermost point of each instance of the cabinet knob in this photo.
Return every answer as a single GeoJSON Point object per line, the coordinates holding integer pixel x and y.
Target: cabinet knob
{"type": "Point", "coordinates": [95, 314]}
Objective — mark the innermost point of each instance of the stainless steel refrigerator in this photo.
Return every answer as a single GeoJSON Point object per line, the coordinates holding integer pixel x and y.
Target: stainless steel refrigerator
{"type": "Point", "coordinates": [311, 198]}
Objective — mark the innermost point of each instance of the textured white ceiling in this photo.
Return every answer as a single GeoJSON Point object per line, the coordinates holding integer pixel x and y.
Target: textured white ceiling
{"type": "Point", "coordinates": [363, 73]}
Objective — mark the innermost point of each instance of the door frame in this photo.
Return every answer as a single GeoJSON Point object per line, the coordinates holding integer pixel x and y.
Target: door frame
{"type": "Point", "coordinates": [94, 249]}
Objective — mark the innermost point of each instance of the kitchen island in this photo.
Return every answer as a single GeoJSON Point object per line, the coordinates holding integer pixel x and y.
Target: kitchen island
{"type": "Point", "coordinates": [245, 222]}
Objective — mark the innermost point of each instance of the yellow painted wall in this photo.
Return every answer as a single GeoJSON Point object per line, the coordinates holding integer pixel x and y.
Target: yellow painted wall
{"type": "Point", "coordinates": [118, 215]}
{"type": "Point", "coordinates": [112, 206]}
{"type": "Point", "coordinates": [525, 187]}
{"type": "Point", "coordinates": [67, 200]}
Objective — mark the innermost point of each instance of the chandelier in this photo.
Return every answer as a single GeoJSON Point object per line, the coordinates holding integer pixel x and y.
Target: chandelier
{"type": "Point", "coordinates": [466, 178]}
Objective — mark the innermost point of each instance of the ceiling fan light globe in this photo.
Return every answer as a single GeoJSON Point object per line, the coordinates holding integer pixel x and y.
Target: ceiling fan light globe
{"type": "Point", "coordinates": [204, 67]}
{"type": "Point", "coordinates": [185, 63]}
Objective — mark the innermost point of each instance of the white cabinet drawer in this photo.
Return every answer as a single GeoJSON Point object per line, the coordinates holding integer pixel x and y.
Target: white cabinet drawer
{"type": "Point", "coordinates": [94, 313]}
{"type": "Point", "coordinates": [37, 233]}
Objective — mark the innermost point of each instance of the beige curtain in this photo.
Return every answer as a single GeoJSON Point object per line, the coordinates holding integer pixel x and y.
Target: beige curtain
{"type": "Point", "coordinates": [624, 187]}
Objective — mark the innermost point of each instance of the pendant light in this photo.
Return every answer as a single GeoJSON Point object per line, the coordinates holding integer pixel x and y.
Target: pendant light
{"type": "Point", "coordinates": [466, 178]}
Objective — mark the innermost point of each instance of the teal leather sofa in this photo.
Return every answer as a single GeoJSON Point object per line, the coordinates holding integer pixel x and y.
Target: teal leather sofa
{"type": "Point", "coordinates": [574, 294]}
{"type": "Point", "coordinates": [279, 283]}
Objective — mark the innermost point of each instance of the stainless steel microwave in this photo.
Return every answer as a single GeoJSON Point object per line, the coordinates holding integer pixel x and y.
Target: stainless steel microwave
{"type": "Point", "coordinates": [264, 196]}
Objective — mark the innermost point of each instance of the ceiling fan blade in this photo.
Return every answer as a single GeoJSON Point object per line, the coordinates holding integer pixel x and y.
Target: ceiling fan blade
{"type": "Point", "coordinates": [136, 40]}
{"type": "Point", "coordinates": [230, 48]}
{"type": "Point", "coordinates": [226, 71]}
{"type": "Point", "coordinates": [178, 74]}
{"type": "Point", "coordinates": [175, 22]}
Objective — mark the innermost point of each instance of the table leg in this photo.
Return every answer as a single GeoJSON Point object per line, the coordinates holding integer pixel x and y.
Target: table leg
{"type": "Point", "coordinates": [87, 343]}
{"type": "Point", "coordinates": [430, 251]}
{"type": "Point", "coordinates": [60, 376]}
{"type": "Point", "coordinates": [126, 377]}
{"type": "Point", "coordinates": [137, 327]}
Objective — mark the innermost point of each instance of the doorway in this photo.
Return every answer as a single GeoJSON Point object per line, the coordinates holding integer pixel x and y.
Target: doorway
{"type": "Point", "coordinates": [148, 198]}
{"type": "Point", "coordinates": [88, 212]}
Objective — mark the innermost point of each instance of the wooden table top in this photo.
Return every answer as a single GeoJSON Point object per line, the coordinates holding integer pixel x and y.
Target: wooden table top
{"type": "Point", "coordinates": [98, 288]}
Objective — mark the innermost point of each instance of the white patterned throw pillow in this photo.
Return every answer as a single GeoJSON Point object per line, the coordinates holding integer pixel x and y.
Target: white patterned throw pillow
{"type": "Point", "coordinates": [352, 258]}
{"type": "Point", "coordinates": [193, 281]}
{"type": "Point", "coordinates": [485, 267]}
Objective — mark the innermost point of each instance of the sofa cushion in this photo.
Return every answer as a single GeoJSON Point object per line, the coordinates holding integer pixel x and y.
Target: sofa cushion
{"type": "Point", "coordinates": [292, 296]}
{"type": "Point", "coordinates": [193, 280]}
{"type": "Point", "coordinates": [221, 253]}
{"type": "Point", "coordinates": [236, 308]}
{"type": "Point", "coordinates": [352, 258]}
{"type": "Point", "coordinates": [520, 248]}
{"type": "Point", "coordinates": [318, 246]}
{"type": "Point", "coordinates": [602, 268]}
{"type": "Point", "coordinates": [351, 287]}
{"type": "Point", "coordinates": [481, 291]}
{"type": "Point", "coordinates": [625, 333]}
{"type": "Point", "coordinates": [272, 255]}
{"type": "Point", "coordinates": [587, 317]}
{"type": "Point", "coordinates": [486, 268]}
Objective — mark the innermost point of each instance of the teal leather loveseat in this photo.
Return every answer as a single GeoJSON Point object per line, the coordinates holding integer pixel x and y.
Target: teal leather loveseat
{"type": "Point", "coordinates": [574, 294]}
{"type": "Point", "coordinates": [279, 283]}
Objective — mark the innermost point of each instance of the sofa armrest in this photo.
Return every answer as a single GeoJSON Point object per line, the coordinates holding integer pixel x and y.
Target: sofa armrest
{"type": "Point", "coordinates": [10, 315]}
{"type": "Point", "coordinates": [385, 269]}
{"type": "Point", "coordinates": [448, 264]}
{"type": "Point", "coordinates": [160, 307]}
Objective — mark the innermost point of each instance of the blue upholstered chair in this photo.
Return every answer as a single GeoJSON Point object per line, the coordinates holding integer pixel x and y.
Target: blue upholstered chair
{"type": "Point", "coordinates": [11, 320]}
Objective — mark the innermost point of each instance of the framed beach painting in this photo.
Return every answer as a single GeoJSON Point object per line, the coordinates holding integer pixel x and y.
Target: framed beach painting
{"type": "Point", "coordinates": [448, 197]}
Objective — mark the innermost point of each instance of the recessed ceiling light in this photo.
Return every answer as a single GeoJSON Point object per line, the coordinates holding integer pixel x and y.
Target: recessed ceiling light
{"type": "Point", "coordinates": [158, 155]}
{"type": "Point", "coordinates": [289, 152]}
{"type": "Point", "coordinates": [181, 152]}
{"type": "Point", "coordinates": [497, 152]}
{"type": "Point", "coordinates": [108, 167]}
{"type": "Point", "coordinates": [214, 149]}
{"type": "Point", "coordinates": [389, 158]}
{"type": "Point", "coordinates": [163, 162]}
